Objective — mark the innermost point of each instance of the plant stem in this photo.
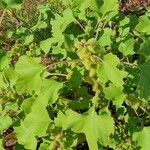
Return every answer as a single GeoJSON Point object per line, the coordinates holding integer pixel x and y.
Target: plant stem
{"type": "Point", "coordinates": [56, 142]}
{"type": "Point", "coordinates": [129, 64]}
{"type": "Point", "coordinates": [80, 25]}
{"type": "Point", "coordinates": [58, 74]}
{"type": "Point", "coordinates": [138, 117]}
{"type": "Point", "coordinates": [101, 60]}
{"type": "Point", "coordinates": [62, 62]}
{"type": "Point", "coordinates": [2, 16]}
{"type": "Point", "coordinates": [97, 30]}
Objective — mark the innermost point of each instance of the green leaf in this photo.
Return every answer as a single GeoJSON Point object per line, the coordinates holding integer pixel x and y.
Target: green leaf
{"type": "Point", "coordinates": [82, 5]}
{"type": "Point", "coordinates": [142, 138]}
{"type": "Point", "coordinates": [26, 137]}
{"type": "Point", "coordinates": [93, 4]}
{"type": "Point", "coordinates": [3, 84]}
{"type": "Point", "coordinates": [56, 50]}
{"type": "Point", "coordinates": [5, 122]}
{"type": "Point", "coordinates": [16, 4]}
{"type": "Point", "coordinates": [109, 7]}
{"type": "Point", "coordinates": [143, 25]}
{"type": "Point", "coordinates": [49, 91]}
{"type": "Point", "coordinates": [29, 74]}
{"type": "Point", "coordinates": [35, 124]}
{"type": "Point", "coordinates": [115, 94]}
{"type": "Point", "coordinates": [11, 75]}
{"type": "Point", "coordinates": [60, 23]}
{"type": "Point", "coordinates": [45, 45]}
{"type": "Point", "coordinates": [40, 25]}
{"type": "Point", "coordinates": [109, 71]}
{"type": "Point", "coordinates": [1, 144]}
{"type": "Point", "coordinates": [76, 79]}
{"type": "Point", "coordinates": [38, 120]}
{"type": "Point", "coordinates": [97, 128]}
{"type": "Point", "coordinates": [105, 38]}
{"type": "Point", "coordinates": [4, 61]}
{"type": "Point", "coordinates": [127, 47]}
{"type": "Point", "coordinates": [144, 49]}
{"type": "Point", "coordinates": [28, 39]}
{"type": "Point", "coordinates": [26, 105]}
{"type": "Point", "coordinates": [44, 12]}
{"type": "Point", "coordinates": [144, 81]}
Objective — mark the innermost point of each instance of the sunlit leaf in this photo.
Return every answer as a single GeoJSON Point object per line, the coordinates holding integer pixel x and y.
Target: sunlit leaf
{"type": "Point", "coordinates": [97, 128]}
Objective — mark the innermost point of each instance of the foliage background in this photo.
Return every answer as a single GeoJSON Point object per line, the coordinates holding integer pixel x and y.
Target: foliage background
{"type": "Point", "coordinates": [74, 75]}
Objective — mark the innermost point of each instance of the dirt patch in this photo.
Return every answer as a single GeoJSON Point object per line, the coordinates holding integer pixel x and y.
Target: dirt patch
{"type": "Point", "coordinates": [128, 6]}
{"type": "Point", "coordinates": [10, 140]}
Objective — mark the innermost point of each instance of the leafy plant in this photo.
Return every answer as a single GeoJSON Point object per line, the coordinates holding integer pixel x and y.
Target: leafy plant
{"type": "Point", "coordinates": [78, 75]}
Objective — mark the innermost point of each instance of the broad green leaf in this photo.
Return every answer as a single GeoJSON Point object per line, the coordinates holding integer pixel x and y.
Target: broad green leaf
{"type": "Point", "coordinates": [142, 137]}
{"type": "Point", "coordinates": [115, 94]}
{"type": "Point", "coordinates": [35, 124]}
{"type": "Point", "coordinates": [109, 6]}
{"type": "Point", "coordinates": [125, 22]}
{"type": "Point", "coordinates": [40, 25]}
{"type": "Point", "coordinates": [105, 38]}
{"type": "Point", "coordinates": [93, 4]}
{"type": "Point", "coordinates": [143, 25]}
{"type": "Point", "coordinates": [124, 27]}
{"type": "Point", "coordinates": [56, 50]}
{"type": "Point", "coordinates": [4, 61]}
{"type": "Point", "coordinates": [11, 75]}
{"type": "Point", "coordinates": [44, 12]}
{"type": "Point", "coordinates": [28, 39]}
{"type": "Point", "coordinates": [127, 47]}
{"type": "Point", "coordinates": [144, 81]}
{"type": "Point", "coordinates": [97, 128]}
{"type": "Point", "coordinates": [3, 83]}
{"type": "Point", "coordinates": [45, 45]}
{"type": "Point", "coordinates": [29, 75]}
{"type": "Point", "coordinates": [21, 30]}
{"type": "Point", "coordinates": [26, 137]}
{"type": "Point", "coordinates": [108, 71]}
{"type": "Point", "coordinates": [124, 32]}
{"type": "Point", "coordinates": [1, 144]}
{"type": "Point", "coordinates": [145, 48]}
{"type": "Point", "coordinates": [60, 23]}
{"type": "Point", "coordinates": [5, 122]}
{"type": "Point", "coordinates": [26, 105]}
{"type": "Point", "coordinates": [38, 120]}
{"type": "Point", "coordinates": [81, 5]}
{"type": "Point", "coordinates": [75, 80]}
{"type": "Point", "coordinates": [49, 91]}
{"type": "Point", "coordinates": [44, 145]}
{"type": "Point", "coordinates": [16, 4]}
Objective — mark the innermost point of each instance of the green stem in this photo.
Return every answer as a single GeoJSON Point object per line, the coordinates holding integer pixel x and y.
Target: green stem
{"type": "Point", "coordinates": [62, 62]}
{"type": "Point", "coordinates": [100, 27]}
{"type": "Point", "coordinates": [97, 30]}
{"type": "Point", "coordinates": [101, 60]}
{"type": "Point", "coordinates": [80, 25]}
{"type": "Point", "coordinates": [56, 142]}
{"type": "Point", "coordinates": [7, 82]}
{"type": "Point", "coordinates": [95, 99]}
{"type": "Point", "coordinates": [58, 74]}
{"type": "Point", "coordinates": [129, 64]}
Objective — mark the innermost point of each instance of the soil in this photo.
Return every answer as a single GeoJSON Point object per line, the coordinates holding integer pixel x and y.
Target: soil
{"type": "Point", "coordinates": [9, 139]}
{"type": "Point", "coordinates": [128, 6]}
